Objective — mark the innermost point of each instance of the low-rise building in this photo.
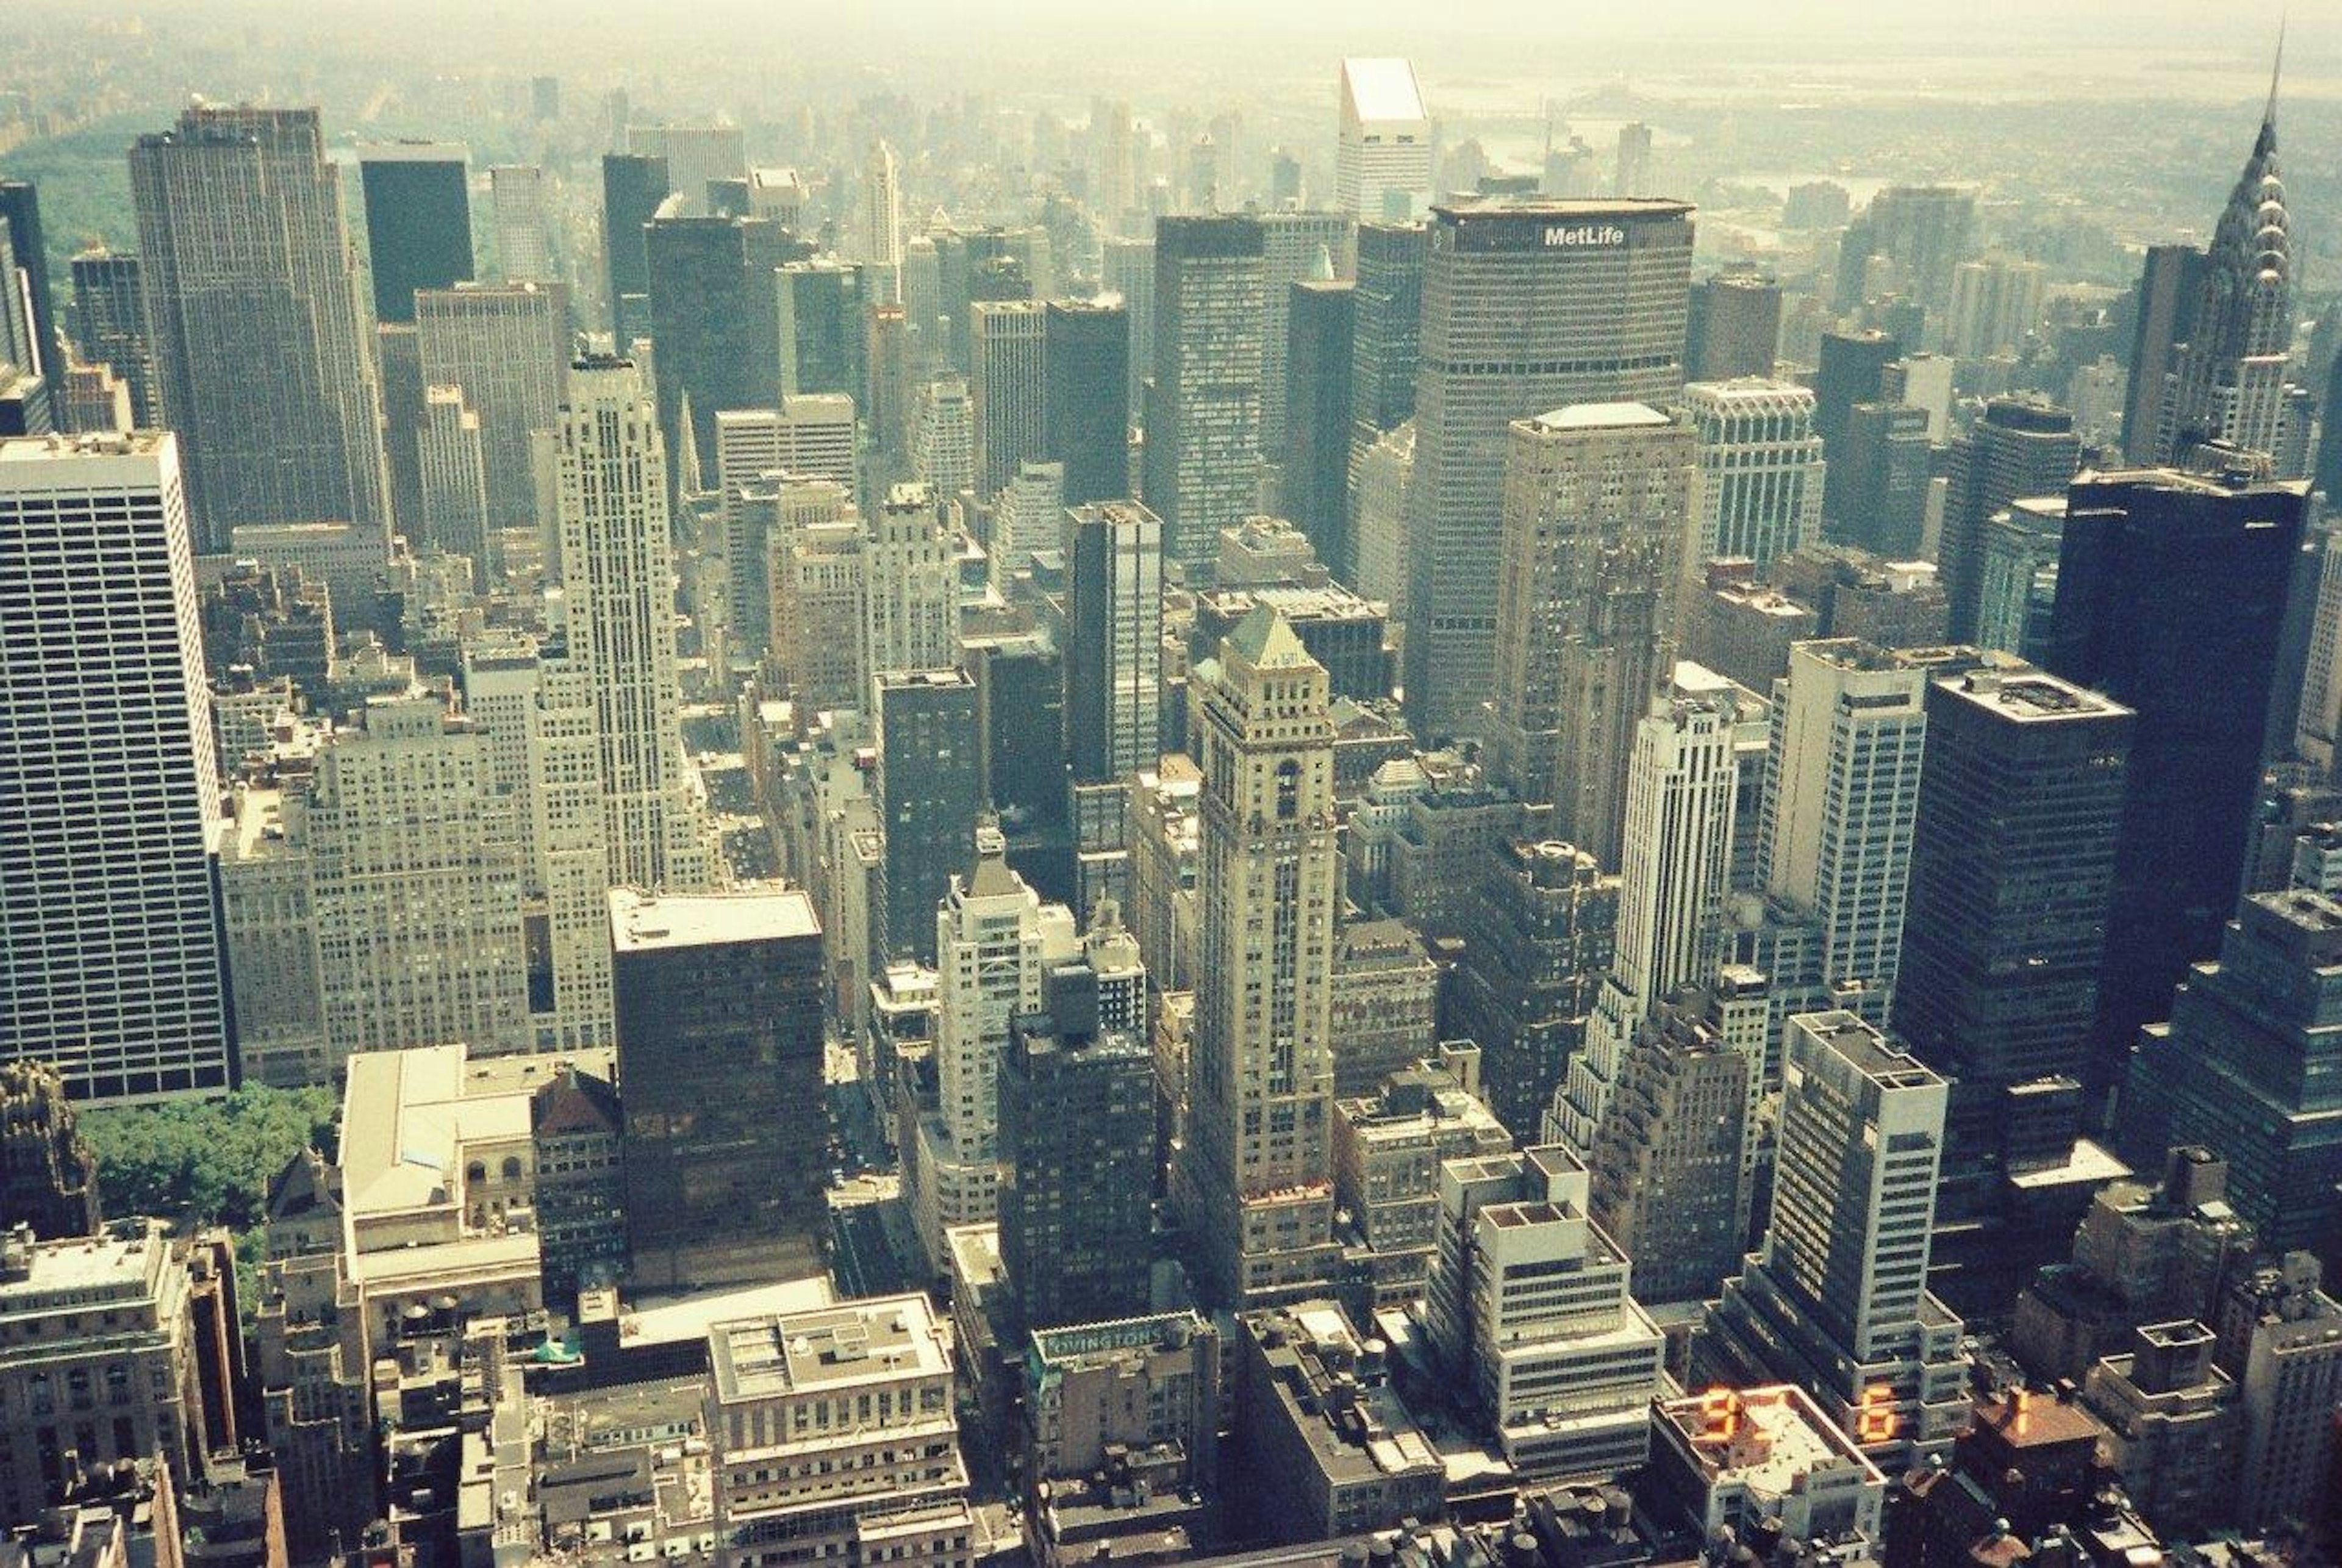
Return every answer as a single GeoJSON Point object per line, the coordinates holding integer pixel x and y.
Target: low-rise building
{"type": "Point", "coordinates": [1732, 1459]}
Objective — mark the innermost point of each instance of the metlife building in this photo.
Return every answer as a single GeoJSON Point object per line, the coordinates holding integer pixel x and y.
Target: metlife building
{"type": "Point", "coordinates": [1529, 304]}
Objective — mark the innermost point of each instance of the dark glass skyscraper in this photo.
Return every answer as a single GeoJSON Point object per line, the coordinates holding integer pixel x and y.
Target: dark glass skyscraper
{"type": "Point", "coordinates": [1736, 326]}
{"type": "Point", "coordinates": [1203, 411]}
{"type": "Point", "coordinates": [2167, 288]}
{"type": "Point", "coordinates": [1386, 343]}
{"type": "Point", "coordinates": [1320, 335]}
{"type": "Point", "coordinates": [20, 205]}
{"type": "Point", "coordinates": [930, 791]}
{"type": "Point", "coordinates": [633, 185]}
{"type": "Point", "coordinates": [714, 317]}
{"type": "Point", "coordinates": [2023, 447]}
{"type": "Point", "coordinates": [109, 325]}
{"type": "Point", "coordinates": [2012, 870]}
{"type": "Point", "coordinates": [1085, 417]}
{"type": "Point", "coordinates": [418, 218]}
{"type": "Point", "coordinates": [2171, 597]}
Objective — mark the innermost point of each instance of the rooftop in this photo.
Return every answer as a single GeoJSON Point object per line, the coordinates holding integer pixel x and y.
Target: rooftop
{"type": "Point", "coordinates": [641, 923]}
{"type": "Point", "coordinates": [1601, 416]}
{"type": "Point", "coordinates": [880, 1339]}
{"type": "Point", "coordinates": [119, 1265]}
{"type": "Point", "coordinates": [1770, 1439]}
{"type": "Point", "coordinates": [1381, 89]}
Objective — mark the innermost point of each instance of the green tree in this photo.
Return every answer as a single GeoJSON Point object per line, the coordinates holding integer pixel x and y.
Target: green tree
{"type": "Point", "coordinates": [206, 1162]}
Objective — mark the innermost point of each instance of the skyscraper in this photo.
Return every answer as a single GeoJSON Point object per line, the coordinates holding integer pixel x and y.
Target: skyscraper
{"type": "Point", "coordinates": [2246, 1066]}
{"type": "Point", "coordinates": [633, 186]}
{"type": "Point", "coordinates": [2172, 595]}
{"type": "Point", "coordinates": [1735, 328]}
{"type": "Point", "coordinates": [1835, 1298]}
{"type": "Point", "coordinates": [2012, 869]}
{"type": "Point", "coordinates": [2168, 285]}
{"type": "Point", "coordinates": [912, 591]}
{"type": "Point", "coordinates": [1875, 493]}
{"type": "Point", "coordinates": [253, 307]}
{"type": "Point", "coordinates": [825, 328]}
{"type": "Point", "coordinates": [1077, 1141]}
{"type": "Point", "coordinates": [930, 791]}
{"type": "Point", "coordinates": [1257, 1184]}
{"type": "Point", "coordinates": [506, 346]}
{"type": "Point", "coordinates": [882, 221]}
{"type": "Point", "coordinates": [2021, 447]}
{"type": "Point", "coordinates": [1528, 305]}
{"type": "Point", "coordinates": [1320, 353]}
{"type": "Point", "coordinates": [617, 554]}
{"type": "Point", "coordinates": [1086, 420]}
{"type": "Point", "coordinates": [109, 952]}
{"type": "Point", "coordinates": [1597, 497]}
{"type": "Point", "coordinates": [1923, 232]}
{"type": "Point", "coordinates": [452, 477]}
{"type": "Point", "coordinates": [694, 155]}
{"type": "Point", "coordinates": [419, 217]}
{"type": "Point", "coordinates": [1295, 248]}
{"type": "Point", "coordinates": [20, 211]}
{"type": "Point", "coordinates": [1381, 153]}
{"type": "Point", "coordinates": [1760, 469]}
{"type": "Point", "coordinates": [714, 316]}
{"type": "Point", "coordinates": [1675, 860]}
{"type": "Point", "coordinates": [1128, 270]}
{"type": "Point", "coordinates": [720, 1047]}
{"type": "Point", "coordinates": [1007, 348]}
{"type": "Point", "coordinates": [1203, 407]}
{"type": "Point", "coordinates": [2227, 381]}
{"type": "Point", "coordinates": [109, 325]}
{"type": "Point", "coordinates": [1841, 801]}
{"type": "Point", "coordinates": [1387, 335]}
{"type": "Point", "coordinates": [520, 215]}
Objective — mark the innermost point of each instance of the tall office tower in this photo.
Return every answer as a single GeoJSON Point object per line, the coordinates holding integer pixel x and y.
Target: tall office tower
{"type": "Point", "coordinates": [2172, 597]}
{"type": "Point", "coordinates": [2012, 869]}
{"type": "Point", "coordinates": [48, 1173]}
{"type": "Point", "coordinates": [454, 484]}
{"type": "Point", "coordinates": [20, 213]}
{"type": "Point", "coordinates": [1085, 405]}
{"type": "Point", "coordinates": [825, 328]}
{"type": "Point", "coordinates": [633, 186]}
{"type": "Point", "coordinates": [1202, 454]}
{"type": "Point", "coordinates": [1669, 1159]}
{"type": "Point", "coordinates": [2021, 447]}
{"type": "Point", "coordinates": [1734, 328]}
{"type": "Point", "coordinates": [506, 347]}
{"type": "Point", "coordinates": [107, 941]}
{"type": "Point", "coordinates": [1835, 1298]}
{"type": "Point", "coordinates": [1924, 233]}
{"type": "Point", "coordinates": [2169, 284]}
{"type": "Point", "coordinates": [1874, 494]}
{"type": "Point", "coordinates": [1527, 305]}
{"type": "Point", "coordinates": [1564, 1376]}
{"type": "Point", "coordinates": [714, 316]}
{"type": "Point", "coordinates": [1113, 160]}
{"type": "Point", "coordinates": [1126, 268]}
{"type": "Point", "coordinates": [415, 877]}
{"type": "Point", "coordinates": [1995, 306]}
{"type": "Point", "coordinates": [2245, 1067]}
{"type": "Point", "coordinates": [264, 373]}
{"type": "Point", "coordinates": [694, 155]}
{"type": "Point", "coordinates": [1295, 248]}
{"type": "Point", "coordinates": [1381, 153]}
{"type": "Point", "coordinates": [520, 217]}
{"type": "Point", "coordinates": [930, 791]}
{"type": "Point", "coordinates": [1923, 381]}
{"type": "Point", "coordinates": [912, 616]}
{"type": "Point", "coordinates": [1382, 476]}
{"type": "Point", "coordinates": [1760, 470]}
{"type": "Point", "coordinates": [109, 317]}
{"type": "Point", "coordinates": [617, 556]}
{"type": "Point", "coordinates": [996, 943]}
{"type": "Point", "coordinates": [2228, 375]}
{"type": "Point", "coordinates": [1029, 516]}
{"type": "Point", "coordinates": [1597, 497]}
{"type": "Point", "coordinates": [1076, 1147]}
{"type": "Point", "coordinates": [1259, 1178]}
{"type": "Point", "coordinates": [1675, 863]}
{"type": "Point", "coordinates": [1007, 376]}
{"type": "Point", "coordinates": [1841, 799]}
{"type": "Point", "coordinates": [1113, 641]}
{"type": "Point", "coordinates": [943, 447]}
{"type": "Point", "coordinates": [881, 237]}
{"type": "Point", "coordinates": [892, 412]}
{"type": "Point", "coordinates": [1320, 352]}
{"type": "Point", "coordinates": [1540, 924]}
{"type": "Point", "coordinates": [1386, 339]}
{"type": "Point", "coordinates": [808, 435]}
{"type": "Point", "coordinates": [1852, 368]}
{"type": "Point", "coordinates": [719, 1008]}
{"type": "Point", "coordinates": [418, 218]}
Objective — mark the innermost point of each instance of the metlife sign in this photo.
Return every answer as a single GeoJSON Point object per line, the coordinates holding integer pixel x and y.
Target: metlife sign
{"type": "Point", "coordinates": [1584, 236]}
{"type": "Point", "coordinates": [1551, 226]}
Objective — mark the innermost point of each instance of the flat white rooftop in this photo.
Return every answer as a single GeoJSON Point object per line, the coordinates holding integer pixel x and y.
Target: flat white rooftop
{"type": "Point", "coordinates": [641, 923]}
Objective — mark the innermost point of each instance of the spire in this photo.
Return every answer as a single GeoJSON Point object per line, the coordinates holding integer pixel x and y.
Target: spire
{"type": "Point", "coordinates": [2276, 71]}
